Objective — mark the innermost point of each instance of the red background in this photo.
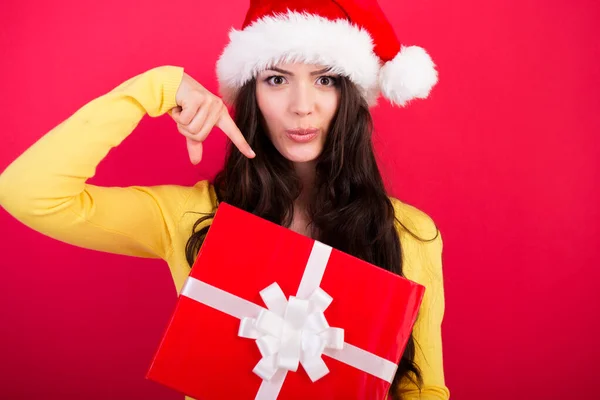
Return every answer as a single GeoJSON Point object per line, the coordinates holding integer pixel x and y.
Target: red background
{"type": "Point", "coordinates": [504, 156]}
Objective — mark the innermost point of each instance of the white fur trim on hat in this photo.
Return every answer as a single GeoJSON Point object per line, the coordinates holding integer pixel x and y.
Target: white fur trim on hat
{"type": "Point", "coordinates": [299, 37]}
{"type": "Point", "coordinates": [411, 74]}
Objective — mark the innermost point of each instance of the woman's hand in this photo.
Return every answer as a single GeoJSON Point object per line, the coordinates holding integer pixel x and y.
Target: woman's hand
{"type": "Point", "coordinates": [198, 112]}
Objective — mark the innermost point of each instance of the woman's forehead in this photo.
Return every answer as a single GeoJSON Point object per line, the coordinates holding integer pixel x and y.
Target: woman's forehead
{"type": "Point", "coordinates": [299, 67]}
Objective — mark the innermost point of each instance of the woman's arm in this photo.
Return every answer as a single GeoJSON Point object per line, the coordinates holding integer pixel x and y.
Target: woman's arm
{"type": "Point", "coordinates": [45, 188]}
{"type": "Point", "coordinates": [423, 264]}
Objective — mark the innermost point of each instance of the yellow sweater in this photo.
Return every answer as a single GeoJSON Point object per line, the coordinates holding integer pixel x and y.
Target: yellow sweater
{"type": "Point", "coordinates": [45, 188]}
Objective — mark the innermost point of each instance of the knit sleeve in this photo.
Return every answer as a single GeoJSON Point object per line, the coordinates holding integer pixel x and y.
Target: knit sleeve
{"type": "Point", "coordinates": [45, 188]}
{"type": "Point", "coordinates": [422, 263]}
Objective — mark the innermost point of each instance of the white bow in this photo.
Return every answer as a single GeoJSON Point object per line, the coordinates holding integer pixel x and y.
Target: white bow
{"type": "Point", "coordinates": [292, 332]}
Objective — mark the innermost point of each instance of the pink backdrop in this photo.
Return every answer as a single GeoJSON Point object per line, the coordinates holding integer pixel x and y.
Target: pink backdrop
{"type": "Point", "coordinates": [504, 156]}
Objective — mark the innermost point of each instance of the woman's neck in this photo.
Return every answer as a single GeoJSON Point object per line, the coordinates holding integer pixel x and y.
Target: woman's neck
{"type": "Point", "coordinates": [301, 221]}
{"type": "Point", "coordinates": [306, 172]}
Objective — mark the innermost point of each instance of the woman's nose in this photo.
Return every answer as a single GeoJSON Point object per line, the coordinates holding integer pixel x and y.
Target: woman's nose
{"type": "Point", "coordinates": [302, 101]}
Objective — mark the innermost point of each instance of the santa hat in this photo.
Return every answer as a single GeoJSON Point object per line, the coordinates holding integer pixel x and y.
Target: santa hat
{"type": "Point", "coordinates": [353, 37]}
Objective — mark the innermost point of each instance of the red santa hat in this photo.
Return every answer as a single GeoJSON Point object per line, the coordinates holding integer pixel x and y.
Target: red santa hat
{"type": "Point", "coordinates": [353, 37]}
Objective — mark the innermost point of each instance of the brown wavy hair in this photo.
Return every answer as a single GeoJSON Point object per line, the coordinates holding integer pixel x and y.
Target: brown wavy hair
{"type": "Point", "coordinates": [350, 211]}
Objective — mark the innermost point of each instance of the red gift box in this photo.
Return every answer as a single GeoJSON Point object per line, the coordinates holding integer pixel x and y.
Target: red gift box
{"type": "Point", "coordinates": [267, 313]}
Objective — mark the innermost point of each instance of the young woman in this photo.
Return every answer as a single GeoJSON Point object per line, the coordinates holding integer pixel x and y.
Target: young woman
{"type": "Point", "coordinates": [302, 157]}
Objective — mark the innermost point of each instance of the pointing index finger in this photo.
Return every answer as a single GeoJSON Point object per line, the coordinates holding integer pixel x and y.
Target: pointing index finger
{"type": "Point", "coordinates": [228, 126]}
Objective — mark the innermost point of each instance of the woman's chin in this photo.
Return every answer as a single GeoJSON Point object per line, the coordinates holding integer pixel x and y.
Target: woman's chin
{"type": "Point", "coordinates": [301, 155]}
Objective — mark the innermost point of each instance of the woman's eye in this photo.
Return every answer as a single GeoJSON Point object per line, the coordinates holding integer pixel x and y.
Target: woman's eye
{"type": "Point", "coordinates": [276, 80]}
{"type": "Point", "coordinates": [327, 81]}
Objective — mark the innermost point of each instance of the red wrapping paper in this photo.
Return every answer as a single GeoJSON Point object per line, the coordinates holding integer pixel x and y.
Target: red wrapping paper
{"type": "Point", "coordinates": [201, 354]}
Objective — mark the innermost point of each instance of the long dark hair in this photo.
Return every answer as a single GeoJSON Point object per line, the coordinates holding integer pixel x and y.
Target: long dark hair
{"type": "Point", "coordinates": [350, 210]}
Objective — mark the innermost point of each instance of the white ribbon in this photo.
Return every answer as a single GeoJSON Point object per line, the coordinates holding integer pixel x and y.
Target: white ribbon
{"type": "Point", "coordinates": [291, 332]}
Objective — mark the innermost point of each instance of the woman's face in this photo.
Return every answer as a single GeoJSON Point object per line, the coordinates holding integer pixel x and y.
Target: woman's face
{"type": "Point", "coordinates": [298, 103]}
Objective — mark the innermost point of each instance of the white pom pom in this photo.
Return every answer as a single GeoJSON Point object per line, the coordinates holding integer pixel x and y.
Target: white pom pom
{"type": "Point", "coordinates": [411, 74]}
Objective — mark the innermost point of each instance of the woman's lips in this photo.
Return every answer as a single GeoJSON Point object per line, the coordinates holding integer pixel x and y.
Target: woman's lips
{"type": "Point", "coordinates": [302, 135]}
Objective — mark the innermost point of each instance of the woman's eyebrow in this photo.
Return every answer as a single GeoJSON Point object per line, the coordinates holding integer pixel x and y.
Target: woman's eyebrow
{"type": "Point", "coordinates": [284, 72]}
{"type": "Point", "coordinates": [322, 71]}
{"type": "Point", "coordinates": [281, 71]}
